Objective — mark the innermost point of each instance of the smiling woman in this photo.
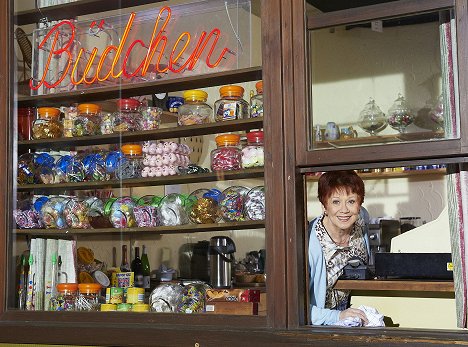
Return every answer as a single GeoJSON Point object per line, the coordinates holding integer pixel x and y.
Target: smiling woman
{"type": "Point", "coordinates": [336, 236]}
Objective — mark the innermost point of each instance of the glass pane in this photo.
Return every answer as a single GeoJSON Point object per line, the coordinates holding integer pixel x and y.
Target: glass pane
{"type": "Point", "coordinates": [385, 81]}
{"type": "Point", "coordinates": [125, 201]}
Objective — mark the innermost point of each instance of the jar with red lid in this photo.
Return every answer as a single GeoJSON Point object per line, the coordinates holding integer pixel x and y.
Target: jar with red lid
{"type": "Point", "coordinates": [195, 110]}
{"type": "Point", "coordinates": [48, 125]}
{"type": "Point", "coordinates": [128, 117]}
{"type": "Point", "coordinates": [227, 155]}
{"type": "Point", "coordinates": [253, 153]}
{"type": "Point", "coordinates": [88, 297]}
{"type": "Point", "coordinates": [26, 117]}
{"type": "Point", "coordinates": [132, 165]}
{"type": "Point", "coordinates": [256, 102]}
{"type": "Point", "coordinates": [65, 300]}
{"type": "Point", "coordinates": [231, 105]}
{"type": "Point", "coordinates": [88, 120]}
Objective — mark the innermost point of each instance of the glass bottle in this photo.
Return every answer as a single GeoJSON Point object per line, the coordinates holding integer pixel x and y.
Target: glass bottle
{"type": "Point", "coordinates": [400, 115]}
{"type": "Point", "coordinates": [227, 156]}
{"type": "Point", "coordinates": [124, 264]}
{"type": "Point", "coordinates": [231, 105]}
{"type": "Point", "coordinates": [26, 117]}
{"type": "Point", "coordinates": [65, 300]}
{"type": "Point", "coordinates": [88, 120]}
{"type": "Point", "coordinates": [137, 269]}
{"type": "Point", "coordinates": [146, 270]}
{"type": "Point", "coordinates": [256, 102]}
{"type": "Point", "coordinates": [372, 119]}
{"type": "Point", "coordinates": [194, 110]}
{"type": "Point", "coordinates": [127, 118]}
{"type": "Point", "coordinates": [253, 153]}
{"type": "Point", "coordinates": [48, 125]}
{"type": "Point", "coordinates": [132, 166]}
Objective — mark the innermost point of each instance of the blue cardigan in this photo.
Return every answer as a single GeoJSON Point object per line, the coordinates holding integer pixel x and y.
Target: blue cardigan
{"type": "Point", "coordinates": [318, 276]}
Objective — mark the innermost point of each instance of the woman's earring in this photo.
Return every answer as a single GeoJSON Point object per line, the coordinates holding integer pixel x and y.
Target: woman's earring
{"type": "Point", "coordinates": [325, 213]}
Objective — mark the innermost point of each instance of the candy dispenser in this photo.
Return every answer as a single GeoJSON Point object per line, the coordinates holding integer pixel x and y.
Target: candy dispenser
{"type": "Point", "coordinates": [227, 155]}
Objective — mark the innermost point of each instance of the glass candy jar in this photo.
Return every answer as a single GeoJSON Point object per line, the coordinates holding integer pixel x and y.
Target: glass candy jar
{"type": "Point", "coordinates": [88, 297]}
{"type": "Point", "coordinates": [48, 126]}
{"type": "Point", "coordinates": [372, 119]}
{"type": "Point", "coordinates": [231, 105]}
{"type": "Point", "coordinates": [400, 115]}
{"type": "Point", "coordinates": [203, 206]}
{"type": "Point", "coordinates": [26, 172]}
{"type": "Point", "coordinates": [52, 213]}
{"type": "Point", "coordinates": [256, 102]}
{"type": "Point", "coordinates": [232, 203]}
{"type": "Point", "coordinates": [127, 118]}
{"type": "Point", "coordinates": [253, 153]}
{"type": "Point", "coordinates": [96, 217]}
{"type": "Point", "coordinates": [88, 121]}
{"type": "Point", "coordinates": [120, 212]}
{"type": "Point", "coordinates": [26, 117]}
{"type": "Point", "coordinates": [227, 156]}
{"type": "Point", "coordinates": [151, 117]}
{"type": "Point", "coordinates": [65, 300]}
{"type": "Point", "coordinates": [254, 204]}
{"type": "Point", "coordinates": [194, 110]}
{"type": "Point", "coordinates": [76, 213]}
{"type": "Point", "coordinates": [173, 210]}
{"type": "Point", "coordinates": [132, 166]}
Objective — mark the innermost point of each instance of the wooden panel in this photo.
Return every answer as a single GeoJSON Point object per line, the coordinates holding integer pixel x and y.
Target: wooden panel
{"type": "Point", "coordinates": [410, 286]}
{"type": "Point", "coordinates": [461, 12]}
{"type": "Point", "coordinates": [387, 175]}
{"type": "Point", "coordinates": [374, 12]}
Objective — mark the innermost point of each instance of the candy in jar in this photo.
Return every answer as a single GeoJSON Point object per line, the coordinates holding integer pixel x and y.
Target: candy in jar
{"type": "Point", "coordinates": [173, 210]}
{"type": "Point", "coordinates": [255, 203]}
{"type": "Point", "coordinates": [400, 115]}
{"type": "Point", "coordinates": [256, 102]}
{"type": "Point", "coordinates": [26, 217]}
{"type": "Point", "coordinates": [132, 166]}
{"type": "Point", "coordinates": [227, 155]}
{"type": "Point", "coordinates": [96, 216]}
{"type": "Point", "coordinates": [48, 125]}
{"type": "Point", "coordinates": [151, 117]}
{"type": "Point", "coordinates": [26, 117]}
{"type": "Point", "coordinates": [26, 169]}
{"type": "Point", "coordinates": [195, 110]}
{"type": "Point", "coordinates": [69, 116]}
{"type": "Point", "coordinates": [147, 212]}
{"type": "Point", "coordinates": [75, 170]}
{"type": "Point", "coordinates": [76, 213]}
{"type": "Point", "coordinates": [88, 297]}
{"type": "Point", "coordinates": [113, 161]}
{"type": "Point", "coordinates": [253, 153]}
{"type": "Point", "coordinates": [121, 212]}
{"type": "Point", "coordinates": [203, 206]}
{"type": "Point", "coordinates": [231, 105]}
{"type": "Point", "coordinates": [52, 213]}
{"type": "Point", "coordinates": [65, 299]}
{"type": "Point", "coordinates": [88, 120]}
{"type": "Point", "coordinates": [127, 118]}
{"type": "Point", "coordinates": [232, 203]}
{"type": "Point", "coordinates": [95, 167]}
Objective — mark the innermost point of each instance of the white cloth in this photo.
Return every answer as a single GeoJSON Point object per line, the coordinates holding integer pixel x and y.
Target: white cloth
{"type": "Point", "coordinates": [373, 316]}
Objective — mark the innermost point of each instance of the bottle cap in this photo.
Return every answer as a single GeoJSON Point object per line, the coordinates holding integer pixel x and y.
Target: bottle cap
{"type": "Point", "coordinates": [132, 149]}
{"type": "Point", "coordinates": [88, 108]}
{"type": "Point", "coordinates": [231, 91]}
{"type": "Point", "coordinates": [196, 95]}
{"type": "Point", "coordinates": [259, 87]}
{"type": "Point", "coordinates": [123, 104]}
{"type": "Point", "coordinates": [48, 112]}
{"type": "Point", "coordinates": [227, 139]}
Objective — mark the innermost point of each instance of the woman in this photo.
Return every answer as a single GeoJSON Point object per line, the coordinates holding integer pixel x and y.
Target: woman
{"type": "Point", "coordinates": [339, 234]}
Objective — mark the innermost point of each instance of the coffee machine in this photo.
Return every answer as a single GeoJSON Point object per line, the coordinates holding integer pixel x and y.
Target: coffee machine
{"type": "Point", "coordinates": [380, 237]}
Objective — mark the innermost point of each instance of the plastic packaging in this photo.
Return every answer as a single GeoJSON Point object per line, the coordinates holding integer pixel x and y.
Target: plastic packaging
{"type": "Point", "coordinates": [195, 110]}
{"type": "Point", "coordinates": [231, 105]}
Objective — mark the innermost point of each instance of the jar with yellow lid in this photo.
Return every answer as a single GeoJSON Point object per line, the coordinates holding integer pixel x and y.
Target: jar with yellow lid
{"type": "Point", "coordinates": [132, 163]}
{"type": "Point", "coordinates": [89, 297]}
{"type": "Point", "coordinates": [48, 125]}
{"type": "Point", "coordinates": [195, 110]}
{"type": "Point", "coordinates": [231, 105]}
{"type": "Point", "coordinates": [256, 102]}
{"type": "Point", "coordinates": [88, 120]}
{"type": "Point", "coordinates": [65, 300]}
{"type": "Point", "coordinates": [227, 155]}
{"type": "Point", "coordinates": [128, 117]}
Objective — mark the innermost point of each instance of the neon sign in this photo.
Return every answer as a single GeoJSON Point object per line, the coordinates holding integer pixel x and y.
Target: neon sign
{"type": "Point", "coordinates": [90, 66]}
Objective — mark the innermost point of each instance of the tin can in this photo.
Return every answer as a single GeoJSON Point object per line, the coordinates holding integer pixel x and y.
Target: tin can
{"type": "Point", "coordinates": [124, 307]}
{"type": "Point", "coordinates": [108, 307]}
{"type": "Point", "coordinates": [140, 308]}
{"type": "Point", "coordinates": [114, 295]}
{"type": "Point", "coordinates": [135, 295]}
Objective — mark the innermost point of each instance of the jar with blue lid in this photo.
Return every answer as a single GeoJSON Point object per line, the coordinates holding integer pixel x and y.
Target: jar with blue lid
{"type": "Point", "coordinates": [113, 161]}
{"type": "Point", "coordinates": [95, 167]}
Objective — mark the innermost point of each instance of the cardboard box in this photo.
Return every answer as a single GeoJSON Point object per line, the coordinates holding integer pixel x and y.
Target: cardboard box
{"type": "Point", "coordinates": [233, 295]}
{"type": "Point", "coordinates": [232, 308]}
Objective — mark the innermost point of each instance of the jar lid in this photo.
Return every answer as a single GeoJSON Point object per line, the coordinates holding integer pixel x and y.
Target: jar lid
{"type": "Point", "coordinates": [254, 136]}
{"type": "Point", "coordinates": [259, 86]}
{"type": "Point", "coordinates": [72, 287]}
{"type": "Point", "coordinates": [128, 103]}
{"type": "Point", "coordinates": [101, 278]}
{"type": "Point", "coordinates": [89, 287]}
{"type": "Point", "coordinates": [48, 112]}
{"type": "Point", "coordinates": [194, 94]}
{"type": "Point", "coordinates": [231, 91]}
{"type": "Point", "coordinates": [227, 139]}
{"type": "Point", "coordinates": [132, 149]}
{"type": "Point", "coordinates": [88, 108]}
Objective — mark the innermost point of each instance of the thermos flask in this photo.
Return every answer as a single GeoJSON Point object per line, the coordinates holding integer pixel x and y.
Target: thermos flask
{"type": "Point", "coordinates": [221, 261]}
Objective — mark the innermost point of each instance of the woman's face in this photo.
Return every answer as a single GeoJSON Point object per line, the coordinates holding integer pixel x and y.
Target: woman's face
{"type": "Point", "coordinates": [342, 209]}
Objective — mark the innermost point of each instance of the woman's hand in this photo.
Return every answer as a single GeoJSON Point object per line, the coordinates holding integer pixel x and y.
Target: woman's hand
{"type": "Point", "coordinates": [354, 312]}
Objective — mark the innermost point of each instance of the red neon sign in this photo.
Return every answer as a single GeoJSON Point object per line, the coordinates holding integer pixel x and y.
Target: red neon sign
{"type": "Point", "coordinates": [157, 43]}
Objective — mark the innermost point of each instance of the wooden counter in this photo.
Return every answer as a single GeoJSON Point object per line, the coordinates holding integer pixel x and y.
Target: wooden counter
{"type": "Point", "coordinates": [402, 285]}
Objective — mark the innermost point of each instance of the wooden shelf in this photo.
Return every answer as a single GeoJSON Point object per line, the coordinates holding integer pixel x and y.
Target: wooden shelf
{"type": "Point", "coordinates": [74, 9]}
{"type": "Point", "coordinates": [139, 136]}
{"type": "Point", "coordinates": [396, 285]}
{"type": "Point", "coordinates": [386, 175]}
{"type": "Point", "coordinates": [148, 181]}
{"type": "Point", "coordinates": [187, 228]}
{"type": "Point", "coordinates": [143, 88]}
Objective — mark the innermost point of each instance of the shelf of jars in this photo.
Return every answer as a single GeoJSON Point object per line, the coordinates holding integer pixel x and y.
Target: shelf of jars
{"type": "Point", "coordinates": [146, 135]}
{"type": "Point", "coordinates": [392, 173]}
{"type": "Point", "coordinates": [186, 228]}
{"type": "Point", "coordinates": [143, 88]}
